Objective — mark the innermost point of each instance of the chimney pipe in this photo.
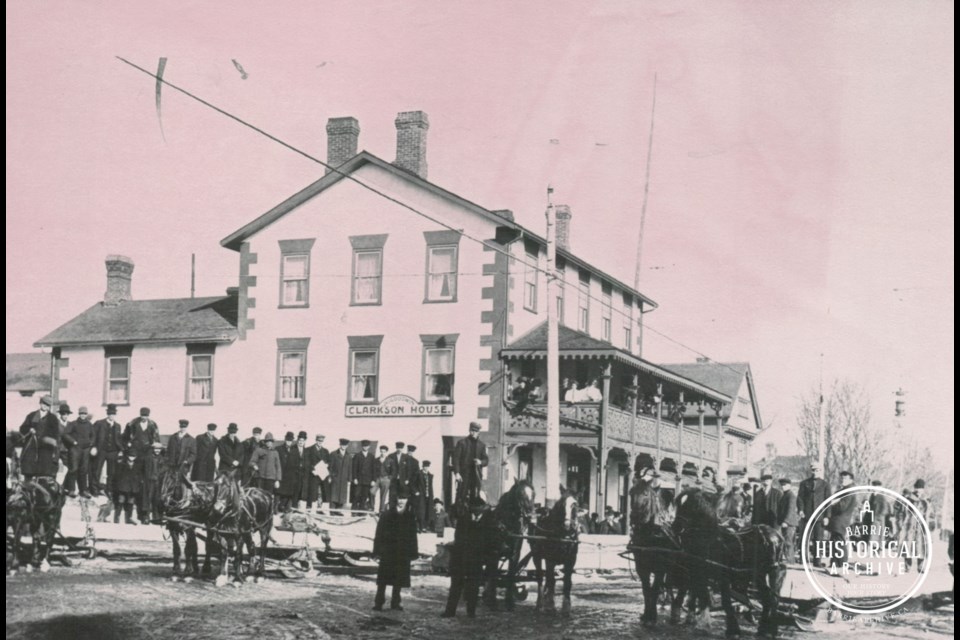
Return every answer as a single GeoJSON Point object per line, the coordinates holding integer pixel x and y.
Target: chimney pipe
{"type": "Point", "coordinates": [412, 129]}
{"type": "Point", "coordinates": [119, 276]}
{"type": "Point", "coordinates": [563, 226]}
{"type": "Point", "coordinates": [343, 135]}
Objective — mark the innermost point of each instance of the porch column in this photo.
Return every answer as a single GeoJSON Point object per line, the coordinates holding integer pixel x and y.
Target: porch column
{"type": "Point", "coordinates": [603, 453]}
{"type": "Point", "coordinates": [717, 408]}
{"type": "Point", "coordinates": [633, 443]}
{"type": "Point", "coordinates": [659, 403]}
{"type": "Point", "coordinates": [701, 410]}
{"type": "Point", "coordinates": [680, 434]}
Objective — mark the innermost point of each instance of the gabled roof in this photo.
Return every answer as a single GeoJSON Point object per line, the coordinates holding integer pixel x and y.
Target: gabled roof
{"type": "Point", "coordinates": [576, 344]}
{"type": "Point", "coordinates": [726, 377]}
{"type": "Point", "coordinates": [149, 322]}
{"type": "Point", "coordinates": [235, 239]}
{"type": "Point", "coordinates": [28, 372]}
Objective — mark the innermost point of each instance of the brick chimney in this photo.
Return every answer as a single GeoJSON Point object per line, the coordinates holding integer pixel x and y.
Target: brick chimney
{"type": "Point", "coordinates": [343, 134]}
{"type": "Point", "coordinates": [119, 275]}
{"type": "Point", "coordinates": [563, 226]}
{"type": "Point", "coordinates": [412, 142]}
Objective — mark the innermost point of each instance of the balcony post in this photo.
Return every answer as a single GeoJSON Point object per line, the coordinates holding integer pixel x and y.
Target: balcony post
{"type": "Point", "coordinates": [701, 410]}
{"type": "Point", "coordinates": [659, 402]}
{"type": "Point", "coordinates": [604, 421]}
{"type": "Point", "coordinates": [680, 435]}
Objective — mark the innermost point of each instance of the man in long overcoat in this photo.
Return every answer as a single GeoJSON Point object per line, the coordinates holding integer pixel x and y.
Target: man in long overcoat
{"type": "Point", "coordinates": [293, 466]}
{"type": "Point", "coordinates": [466, 562]}
{"type": "Point", "coordinates": [339, 479]}
{"type": "Point", "coordinates": [425, 487]}
{"type": "Point", "coordinates": [841, 515]}
{"type": "Point", "coordinates": [182, 450]}
{"type": "Point", "coordinates": [40, 455]}
{"type": "Point", "coordinates": [230, 450]}
{"type": "Point", "coordinates": [140, 433]}
{"type": "Point", "coordinates": [766, 503]}
{"type": "Point", "coordinates": [469, 459]}
{"type": "Point", "coordinates": [813, 492]}
{"type": "Point", "coordinates": [284, 492]}
{"type": "Point", "coordinates": [205, 466]}
{"type": "Point", "coordinates": [81, 431]}
{"type": "Point", "coordinates": [395, 545]}
{"type": "Point", "coordinates": [787, 518]}
{"type": "Point", "coordinates": [382, 471]}
{"type": "Point", "coordinates": [265, 467]}
{"type": "Point", "coordinates": [250, 445]}
{"type": "Point", "coordinates": [107, 445]}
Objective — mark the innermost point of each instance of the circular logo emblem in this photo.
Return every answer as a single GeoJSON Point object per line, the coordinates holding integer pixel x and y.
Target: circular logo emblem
{"type": "Point", "coordinates": [866, 550]}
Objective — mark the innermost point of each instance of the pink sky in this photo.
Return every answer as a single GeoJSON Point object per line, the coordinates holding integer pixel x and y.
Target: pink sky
{"type": "Point", "coordinates": [802, 170]}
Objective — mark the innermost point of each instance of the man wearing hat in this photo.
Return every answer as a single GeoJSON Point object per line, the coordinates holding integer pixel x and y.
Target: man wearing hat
{"type": "Point", "coordinates": [911, 528]}
{"type": "Point", "coordinates": [787, 516]}
{"type": "Point", "coordinates": [392, 467]}
{"type": "Point", "coordinates": [766, 503]}
{"type": "Point", "coordinates": [149, 505]}
{"type": "Point", "coordinates": [395, 545]}
{"type": "Point", "coordinates": [381, 496]}
{"type": "Point", "coordinates": [182, 450]}
{"type": "Point", "coordinates": [410, 474]}
{"type": "Point", "coordinates": [250, 445]}
{"type": "Point", "coordinates": [689, 477]}
{"type": "Point", "coordinates": [439, 518]}
{"type": "Point", "coordinates": [230, 450]}
{"type": "Point", "coordinates": [317, 475]}
{"type": "Point", "coordinates": [141, 433]}
{"type": "Point", "coordinates": [205, 466]}
{"type": "Point", "coordinates": [339, 480]}
{"type": "Point", "coordinates": [466, 564]}
{"type": "Point", "coordinates": [40, 456]}
{"type": "Point", "coordinates": [425, 487]}
{"type": "Point", "coordinates": [81, 432]}
{"type": "Point", "coordinates": [841, 515]}
{"type": "Point", "coordinates": [363, 476]}
{"type": "Point", "coordinates": [469, 459]}
{"type": "Point", "coordinates": [285, 494]}
{"type": "Point", "coordinates": [813, 492]}
{"type": "Point", "coordinates": [265, 466]}
{"type": "Point", "coordinates": [295, 472]}
{"type": "Point", "coordinates": [709, 481]}
{"type": "Point", "coordinates": [107, 445]}
{"type": "Point", "coordinates": [66, 442]}
{"type": "Point", "coordinates": [129, 487]}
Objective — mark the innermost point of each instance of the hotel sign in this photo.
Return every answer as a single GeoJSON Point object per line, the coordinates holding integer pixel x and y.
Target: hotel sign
{"type": "Point", "coordinates": [399, 406]}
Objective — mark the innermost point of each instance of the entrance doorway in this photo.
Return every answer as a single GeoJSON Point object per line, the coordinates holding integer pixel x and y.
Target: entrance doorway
{"type": "Point", "coordinates": [578, 474]}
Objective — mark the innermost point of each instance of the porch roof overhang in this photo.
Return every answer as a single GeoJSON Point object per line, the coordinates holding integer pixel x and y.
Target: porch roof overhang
{"type": "Point", "coordinates": [576, 345]}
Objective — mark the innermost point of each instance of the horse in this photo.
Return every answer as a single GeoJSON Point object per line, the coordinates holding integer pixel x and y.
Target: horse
{"type": "Point", "coordinates": [182, 502]}
{"type": "Point", "coordinates": [504, 528]}
{"type": "Point", "coordinates": [732, 559]}
{"type": "Point", "coordinates": [554, 540]}
{"type": "Point", "coordinates": [650, 517]}
{"type": "Point", "coordinates": [35, 507]}
{"type": "Point", "coordinates": [237, 513]}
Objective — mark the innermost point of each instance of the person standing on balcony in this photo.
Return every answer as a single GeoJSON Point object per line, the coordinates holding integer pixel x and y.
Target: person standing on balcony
{"type": "Point", "coordinates": [592, 393]}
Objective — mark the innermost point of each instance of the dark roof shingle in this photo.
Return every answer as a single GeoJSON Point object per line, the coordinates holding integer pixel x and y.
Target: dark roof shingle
{"type": "Point", "coordinates": [28, 372]}
{"type": "Point", "coordinates": [150, 321]}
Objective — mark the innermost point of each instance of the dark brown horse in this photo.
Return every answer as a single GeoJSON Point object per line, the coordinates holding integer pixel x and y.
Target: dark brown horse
{"type": "Point", "coordinates": [239, 512]}
{"type": "Point", "coordinates": [652, 541]}
{"type": "Point", "coordinates": [184, 505]}
{"type": "Point", "coordinates": [504, 528]}
{"type": "Point", "coordinates": [554, 540]}
{"type": "Point", "coordinates": [34, 508]}
{"type": "Point", "coordinates": [733, 560]}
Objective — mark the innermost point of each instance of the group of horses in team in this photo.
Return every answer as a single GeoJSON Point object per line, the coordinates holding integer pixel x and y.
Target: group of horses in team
{"type": "Point", "coordinates": [227, 512]}
{"type": "Point", "coordinates": [683, 546]}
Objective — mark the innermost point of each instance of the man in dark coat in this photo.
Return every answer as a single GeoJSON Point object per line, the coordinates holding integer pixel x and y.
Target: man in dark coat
{"type": "Point", "coordinates": [81, 432]}
{"type": "Point", "coordinates": [182, 450]}
{"type": "Point", "coordinates": [788, 518]}
{"type": "Point", "coordinates": [841, 515]}
{"type": "Point", "coordinates": [469, 459]}
{"type": "Point", "coordinates": [149, 506]}
{"type": "Point", "coordinates": [882, 513]}
{"type": "Point", "coordinates": [317, 487]}
{"type": "Point", "coordinates": [250, 445]}
{"type": "Point", "coordinates": [205, 466]}
{"type": "Point", "coordinates": [303, 470]}
{"type": "Point", "coordinates": [339, 480]}
{"type": "Point", "coordinates": [425, 487]}
{"type": "Point", "coordinates": [293, 465]}
{"type": "Point", "coordinates": [466, 563]}
{"type": "Point", "coordinates": [395, 546]}
{"type": "Point", "coordinates": [285, 494]}
{"type": "Point", "coordinates": [40, 456]}
{"type": "Point", "coordinates": [813, 492]}
{"type": "Point", "coordinates": [439, 519]}
{"type": "Point", "coordinates": [129, 487]}
{"type": "Point", "coordinates": [141, 433]}
{"type": "Point", "coordinates": [381, 497]}
{"type": "Point", "coordinates": [766, 503]}
{"type": "Point", "coordinates": [107, 445]}
{"type": "Point", "coordinates": [392, 468]}
{"type": "Point", "coordinates": [410, 468]}
{"type": "Point", "coordinates": [363, 476]}
{"type": "Point", "coordinates": [66, 442]}
{"type": "Point", "coordinates": [230, 450]}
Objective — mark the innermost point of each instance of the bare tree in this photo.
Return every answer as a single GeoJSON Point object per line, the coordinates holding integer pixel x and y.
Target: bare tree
{"type": "Point", "coordinates": [851, 441]}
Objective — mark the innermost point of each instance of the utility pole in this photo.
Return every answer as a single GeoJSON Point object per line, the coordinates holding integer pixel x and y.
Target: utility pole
{"type": "Point", "coordinates": [193, 274]}
{"type": "Point", "coordinates": [821, 457]}
{"type": "Point", "coordinates": [553, 364]}
{"type": "Point", "coordinates": [646, 192]}
{"type": "Point", "coordinates": [900, 412]}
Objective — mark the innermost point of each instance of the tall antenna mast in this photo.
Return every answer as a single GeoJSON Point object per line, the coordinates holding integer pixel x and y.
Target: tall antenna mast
{"type": "Point", "coordinates": [646, 189]}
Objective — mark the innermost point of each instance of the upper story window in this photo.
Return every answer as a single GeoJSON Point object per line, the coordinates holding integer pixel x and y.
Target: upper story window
{"type": "Point", "coordinates": [531, 275]}
{"type": "Point", "coordinates": [367, 280]}
{"type": "Point", "coordinates": [583, 315]}
{"type": "Point", "coordinates": [442, 257]}
{"type": "Point", "coordinates": [117, 383]}
{"type": "Point", "coordinates": [295, 272]}
{"type": "Point", "coordinates": [561, 288]}
{"type": "Point", "coordinates": [292, 370]}
{"type": "Point", "coordinates": [628, 322]}
{"type": "Point", "coordinates": [730, 451]}
{"type": "Point", "coordinates": [364, 373]}
{"type": "Point", "coordinates": [200, 373]}
{"type": "Point", "coordinates": [606, 310]}
{"type": "Point", "coordinates": [438, 367]}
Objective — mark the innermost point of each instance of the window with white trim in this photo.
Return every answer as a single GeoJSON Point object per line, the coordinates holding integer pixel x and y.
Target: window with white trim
{"type": "Point", "coordinates": [606, 311]}
{"type": "Point", "coordinates": [583, 312]}
{"type": "Point", "coordinates": [441, 274]}
{"type": "Point", "coordinates": [292, 370]}
{"type": "Point", "coordinates": [628, 322]}
{"type": "Point", "coordinates": [438, 367]}
{"type": "Point", "coordinates": [367, 269]}
{"type": "Point", "coordinates": [295, 272]}
{"type": "Point", "coordinates": [530, 279]}
{"type": "Point", "coordinates": [200, 374]}
{"type": "Point", "coordinates": [364, 368]}
{"type": "Point", "coordinates": [118, 380]}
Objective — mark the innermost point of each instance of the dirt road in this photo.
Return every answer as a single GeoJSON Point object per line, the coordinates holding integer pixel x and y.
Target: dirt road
{"type": "Point", "coordinates": [129, 596]}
